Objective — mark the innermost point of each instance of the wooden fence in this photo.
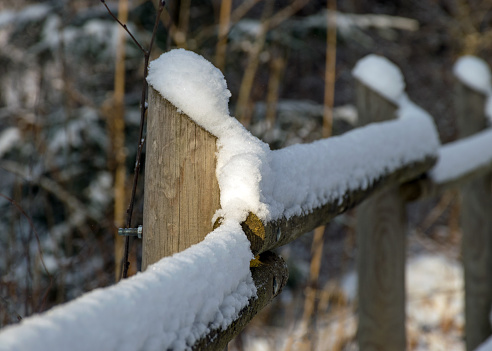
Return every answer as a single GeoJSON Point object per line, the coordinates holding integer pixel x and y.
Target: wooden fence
{"type": "Point", "coordinates": [188, 171]}
{"type": "Point", "coordinates": [182, 195]}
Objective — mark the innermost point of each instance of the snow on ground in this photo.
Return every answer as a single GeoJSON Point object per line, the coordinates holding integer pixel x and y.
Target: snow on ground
{"type": "Point", "coordinates": [435, 319]}
{"type": "Point", "coordinates": [169, 306]}
{"type": "Point", "coordinates": [463, 156]}
{"type": "Point", "coordinates": [435, 303]}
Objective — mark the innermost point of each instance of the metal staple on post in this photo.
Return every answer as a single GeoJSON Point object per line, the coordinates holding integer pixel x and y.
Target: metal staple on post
{"type": "Point", "coordinates": [131, 231]}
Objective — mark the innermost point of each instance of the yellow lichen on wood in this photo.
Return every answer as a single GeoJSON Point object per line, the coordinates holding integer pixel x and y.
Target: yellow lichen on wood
{"type": "Point", "coordinates": [255, 262]}
{"type": "Point", "coordinates": [255, 225]}
{"type": "Point", "coordinates": [254, 229]}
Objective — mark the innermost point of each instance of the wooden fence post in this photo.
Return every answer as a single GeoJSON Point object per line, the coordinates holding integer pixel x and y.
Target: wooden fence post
{"type": "Point", "coordinates": [476, 223]}
{"type": "Point", "coordinates": [181, 197]}
{"type": "Point", "coordinates": [381, 249]}
{"type": "Point", "coordinates": [181, 189]}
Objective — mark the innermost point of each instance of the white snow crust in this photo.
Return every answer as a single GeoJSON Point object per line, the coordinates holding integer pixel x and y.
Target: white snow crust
{"type": "Point", "coordinates": [463, 156]}
{"type": "Point", "coordinates": [309, 175]}
{"type": "Point", "coordinates": [299, 178]}
{"type": "Point", "coordinates": [473, 72]}
{"type": "Point", "coordinates": [380, 74]}
{"type": "Point", "coordinates": [168, 307]}
{"type": "Point", "coordinates": [198, 88]}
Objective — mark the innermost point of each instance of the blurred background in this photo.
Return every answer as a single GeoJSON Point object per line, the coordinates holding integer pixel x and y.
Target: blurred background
{"type": "Point", "coordinates": [70, 85]}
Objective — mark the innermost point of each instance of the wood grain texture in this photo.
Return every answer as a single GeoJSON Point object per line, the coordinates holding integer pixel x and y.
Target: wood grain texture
{"type": "Point", "coordinates": [476, 223]}
{"type": "Point", "coordinates": [381, 250]}
{"type": "Point", "coordinates": [372, 106]}
{"type": "Point", "coordinates": [181, 189]}
{"type": "Point", "coordinates": [381, 267]}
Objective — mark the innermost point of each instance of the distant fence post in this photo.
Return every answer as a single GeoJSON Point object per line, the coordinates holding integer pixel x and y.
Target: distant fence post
{"type": "Point", "coordinates": [181, 189]}
{"type": "Point", "coordinates": [476, 223]}
{"type": "Point", "coordinates": [381, 249]}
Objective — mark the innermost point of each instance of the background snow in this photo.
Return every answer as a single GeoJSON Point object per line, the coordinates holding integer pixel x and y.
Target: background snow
{"type": "Point", "coordinates": [435, 303]}
{"type": "Point", "coordinates": [463, 156]}
{"type": "Point", "coordinates": [33, 12]}
{"type": "Point", "coordinates": [9, 139]}
{"type": "Point", "coordinates": [169, 306]}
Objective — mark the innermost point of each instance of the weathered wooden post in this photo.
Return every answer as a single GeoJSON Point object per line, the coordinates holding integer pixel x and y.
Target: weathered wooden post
{"type": "Point", "coordinates": [476, 223]}
{"type": "Point", "coordinates": [181, 189]}
{"type": "Point", "coordinates": [181, 197]}
{"type": "Point", "coordinates": [381, 249]}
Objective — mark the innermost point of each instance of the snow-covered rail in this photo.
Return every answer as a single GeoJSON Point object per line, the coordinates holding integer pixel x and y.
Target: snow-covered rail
{"type": "Point", "coordinates": [252, 199]}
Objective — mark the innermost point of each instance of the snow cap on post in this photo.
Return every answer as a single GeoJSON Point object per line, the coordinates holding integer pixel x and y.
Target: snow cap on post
{"type": "Point", "coordinates": [192, 84]}
{"type": "Point", "coordinates": [198, 89]}
{"type": "Point", "coordinates": [474, 73]}
{"type": "Point", "coordinates": [380, 74]}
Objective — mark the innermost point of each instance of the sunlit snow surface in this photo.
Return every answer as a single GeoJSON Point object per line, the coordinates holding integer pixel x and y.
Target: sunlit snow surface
{"type": "Point", "coordinates": [299, 178]}
{"type": "Point", "coordinates": [169, 306]}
